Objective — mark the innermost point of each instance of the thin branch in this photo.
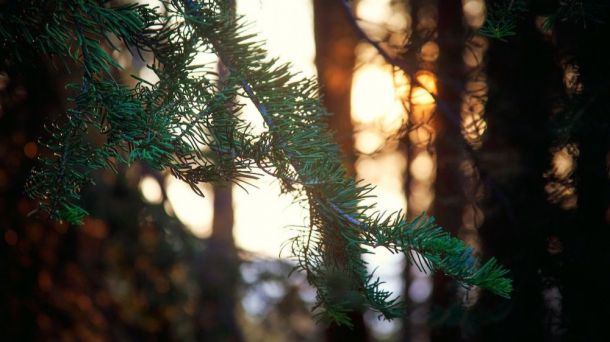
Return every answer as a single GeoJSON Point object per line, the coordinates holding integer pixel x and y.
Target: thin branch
{"type": "Point", "coordinates": [269, 120]}
{"type": "Point", "coordinates": [262, 109]}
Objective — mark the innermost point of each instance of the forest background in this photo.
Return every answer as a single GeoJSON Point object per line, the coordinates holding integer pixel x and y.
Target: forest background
{"type": "Point", "coordinates": [503, 137]}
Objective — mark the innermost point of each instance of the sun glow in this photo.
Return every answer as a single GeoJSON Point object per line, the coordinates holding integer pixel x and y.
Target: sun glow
{"type": "Point", "coordinates": [376, 97]}
{"type": "Point", "coordinates": [262, 217]}
{"type": "Point", "coordinates": [151, 190]}
{"type": "Point", "coordinates": [194, 211]}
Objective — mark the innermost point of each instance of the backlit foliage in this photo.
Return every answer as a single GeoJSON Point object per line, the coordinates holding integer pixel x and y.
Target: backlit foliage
{"type": "Point", "coordinates": [188, 124]}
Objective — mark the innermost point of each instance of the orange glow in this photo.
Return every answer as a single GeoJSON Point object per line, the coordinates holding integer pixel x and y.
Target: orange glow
{"type": "Point", "coordinates": [428, 80]}
{"type": "Point", "coordinates": [421, 114]}
{"type": "Point", "coordinates": [421, 136]}
{"type": "Point", "coordinates": [474, 126]}
{"type": "Point", "coordinates": [30, 150]}
{"type": "Point", "coordinates": [421, 96]}
{"type": "Point", "coordinates": [401, 84]}
{"type": "Point", "coordinates": [423, 93]}
{"type": "Point", "coordinates": [560, 187]}
{"type": "Point", "coordinates": [430, 52]}
{"type": "Point", "coordinates": [422, 167]}
{"type": "Point", "coordinates": [95, 227]}
{"type": "Point", "coordinates": [377, 97]}
{"type": "Point", "coordinates": [571, 76]}
{"type": "Point", "coordinates": [563, 162]}
{"type": "Point", "coordinates": [373, 96]}
{"type": "Point", "coordinates": [473, 108]}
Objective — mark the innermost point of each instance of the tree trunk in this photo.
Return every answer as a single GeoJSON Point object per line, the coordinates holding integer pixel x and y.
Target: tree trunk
{"type": "Point", "coordinates": [585, 242]}
{"type": "Point", "coordinates": [219, 267]}
{"type": "Point", "coordinates": [335, 61]}
{"type": "Point", "coordinates": [515, 155]}
{"type": "Point", "coordinates": [449, 200]}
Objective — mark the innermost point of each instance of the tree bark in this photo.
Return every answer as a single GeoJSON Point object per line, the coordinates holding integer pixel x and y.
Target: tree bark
{"type": "Point", "coordinates": [449, 200]}
{"type": "Point", "coordinates": [523, 85]}
{"type": "Point", "coordinates": [335, 61]}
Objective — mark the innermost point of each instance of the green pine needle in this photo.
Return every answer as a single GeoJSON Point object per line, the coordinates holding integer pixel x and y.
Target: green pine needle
{"type": "Point", "coordinates": [190, 125]}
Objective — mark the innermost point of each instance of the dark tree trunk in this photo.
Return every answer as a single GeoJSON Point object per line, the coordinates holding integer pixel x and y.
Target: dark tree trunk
{"type": "Point", "coordinates": [450, 147]}
{"type": "Point", "coordinates": [219, 267]}
{"type": "Point", "coordinates": [415, 323]}
{"type": "Point", "coordinates": [219, 275]}
{"type": "Point", "coordinates": [335, 60]}
{"type": "Point", "coordinates": [587, 304]}
{"type": "Point", "coordinates": [523, 85]}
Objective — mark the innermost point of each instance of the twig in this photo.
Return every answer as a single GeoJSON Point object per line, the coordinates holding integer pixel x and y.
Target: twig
{"type": "Point", "coordinates": [269, 120]}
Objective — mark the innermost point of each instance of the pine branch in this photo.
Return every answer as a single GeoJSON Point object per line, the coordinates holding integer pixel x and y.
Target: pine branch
{"type": "Point", "coordinates": [441, 251]}
{"type": "Point", "coordinates": [502, 18]}
{"type": "Point", "coordinates": [186, 124]}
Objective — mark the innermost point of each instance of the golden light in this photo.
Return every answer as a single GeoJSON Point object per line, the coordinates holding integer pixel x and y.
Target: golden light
{"type": "Point", "coordinates": [474, 12]}
{"type": "Point", "coordinates": [385, 171]}
{"type": "Point", "coordinates": [398, 21]}
{"type": "Point", "coordinates": [376, 11]}
{"type": "Point", "coordinates": [430, 52]}
{"type": "Point", "coordinates": [380, 101]}
{"type": "Point", "coordinates": [473, 56]}
{"type": "Point", "coordinates": [422, 167]}
{"type": "Point", "coordinates": [563, 163]}
{"type": "Point", "coordinates": [286, 27]}
{"type": "Point", "coordinates": [151, 190]}
{"type": "Point", "coordinates": [427, 80]}
{"type": "Point", "coordinates": [194, 211]}
{"type": "Point", "coordinates": [421, 196]}
{"type": "Point", "coordinates": [402, 85]}
{"type": "Point", "coordinates": [473, 128]}
{"type": "Point", "coordinates": [372, 94]}
{"type": "Point", "coordinates": [571, 76]}
{"type": "Point", "coordinates": [422, 135]}
{"type": "Point", "coordinates": [263, 217]}
{"type": "Point", "coordinates": [368, 141]}
{"type": "Point", "coordinates": [473, 108]}
{"type": "Point", "coordinates": [421, 96]}
{"type": "Point", "coordinates": [560, 187]}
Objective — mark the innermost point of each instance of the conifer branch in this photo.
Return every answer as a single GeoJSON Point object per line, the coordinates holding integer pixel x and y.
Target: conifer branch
{"type": "Point", "coordinates": [436, 258]}
{"type": "Point", "coordinates": [186, 124]}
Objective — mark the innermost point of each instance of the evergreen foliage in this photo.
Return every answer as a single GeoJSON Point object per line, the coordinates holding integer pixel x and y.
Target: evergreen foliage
{"type": "Point", "coordinates": [189, 125]}
{"type": "Point", "coordinates": [502, 17]}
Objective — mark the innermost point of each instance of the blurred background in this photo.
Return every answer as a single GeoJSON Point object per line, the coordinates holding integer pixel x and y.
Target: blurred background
{"type": "Point", "coordinates": [449, 122]}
